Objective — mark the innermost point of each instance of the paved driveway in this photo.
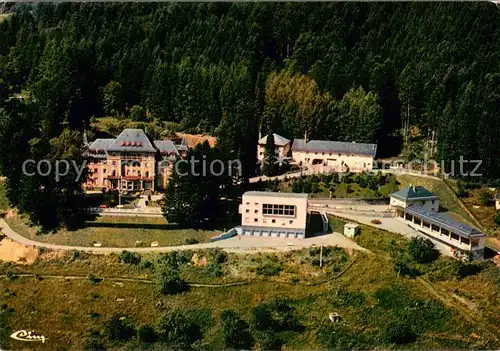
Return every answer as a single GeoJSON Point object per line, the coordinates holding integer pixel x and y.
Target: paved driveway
{"type": "Point", "coordinates": [234, 244]}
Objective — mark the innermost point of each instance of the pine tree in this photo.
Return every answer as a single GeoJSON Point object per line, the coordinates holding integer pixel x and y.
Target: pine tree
{"type": "Point", "coordinates": [270, 161]}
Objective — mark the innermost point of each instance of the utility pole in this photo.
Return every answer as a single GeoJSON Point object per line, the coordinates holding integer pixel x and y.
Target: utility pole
{"type": "Point", "coordinates": [321, 256]}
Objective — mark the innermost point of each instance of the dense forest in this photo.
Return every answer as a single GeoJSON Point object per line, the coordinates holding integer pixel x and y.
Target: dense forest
{"type": "Point", "coordinates": [366, 72]}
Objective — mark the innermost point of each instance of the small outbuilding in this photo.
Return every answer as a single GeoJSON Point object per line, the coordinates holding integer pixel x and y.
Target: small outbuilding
{"type": "Point", "coordinates": [351, 229]}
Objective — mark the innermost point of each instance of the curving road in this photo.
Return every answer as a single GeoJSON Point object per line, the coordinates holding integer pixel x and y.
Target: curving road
{"type": "Point", "coordinates": [234, 244]}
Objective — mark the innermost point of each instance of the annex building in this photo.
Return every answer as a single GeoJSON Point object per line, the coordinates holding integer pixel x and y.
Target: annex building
{"type": "Point", "coordinates": [420, 213]}
{"type": "Point", "coordinates": [281, 146]}
{"type": "Point", "coordinates": [132, 162]}
{"type": "Point", "coordinates": [272, 214]}
{"type": "Point", "coordinates": [415, 195]}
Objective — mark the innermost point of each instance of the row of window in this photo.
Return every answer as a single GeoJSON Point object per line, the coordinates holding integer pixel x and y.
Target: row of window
{"type": "Point", "coordinates": [266, 221]}
{"type": "Point", "coordinates": [129, 172]}
{"type": "Point", "coordinates": [278, 210]}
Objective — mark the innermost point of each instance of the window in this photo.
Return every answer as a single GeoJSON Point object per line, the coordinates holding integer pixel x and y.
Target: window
{"type": "Point", "coordinates": [255, 219]}
{"type": "Point", "coordinates": [104, 171]}
{"type": "Point", "coordinates": [273, 221]}
{"type": "Point", "coordinates": [433, 201]}
{"type": "Point", "coordinates": [278, 210]}
{"type": "Point", "coordinates": [474, 242]}
{"type": "Point", "coordinates": [256, 211]}
{"type": "Point", "coordinates": [256, 204]}
{"type": "Point", "coordinates": [423, 202]}
{"type": "Point", "coordinates": [290, 222]}
{"type": "Point", "coordinates": [464, 240]}
{"type": "Point", "coordinates": [114, 163]}
{"type": "Point", "coordinates": [248, 203]}
{"type": "Point", "coordinates": [247, 210]}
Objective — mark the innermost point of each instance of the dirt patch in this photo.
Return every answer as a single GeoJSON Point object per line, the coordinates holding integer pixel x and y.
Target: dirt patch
{"type": "Point", "coordinates": [10, 251]}
{"type": "Point", "coordinates": [9, 214]}
{"type": "Point", "coordinates": [199, 260]}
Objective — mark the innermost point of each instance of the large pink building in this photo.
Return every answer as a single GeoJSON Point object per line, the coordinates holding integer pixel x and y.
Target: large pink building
{"type": "Point", "coordinates": [132, 162]}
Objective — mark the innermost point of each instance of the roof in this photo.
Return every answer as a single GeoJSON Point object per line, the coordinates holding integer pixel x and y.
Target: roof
{"type": "Point", "coordinates": [99, 147]}
{"type": "Point", "coordinates": [278, 140]}
{"type": "Point", "coordinates": [444, 222]}
{"type": "Point", "coordinates": [166, 147]}
{"type": "Point", "coordinates": [414, 193]}
{"type": "Point", "coordinates": [132, 140]}
{"type": "Point", "coordinates": [276, 194]}
{"type": "Point", "coordinates": [194, 139]}
{"type": "Point", "coordinates": [351, 225]}
{"type": "Point", "coordinates": [340, 147]}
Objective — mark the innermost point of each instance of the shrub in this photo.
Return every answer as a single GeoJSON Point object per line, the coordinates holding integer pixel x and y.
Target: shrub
{"type": "Point", "coordinates": [275, 316]}
{"type": "Point", "coordinates": [147, 265]}
{"type": "Point", "coordinates": [484, 197]}
{"type": "Point", "coordinates": [399, 333]}
{"type": "Point", "coordinates": [497, 218]}
{"type": "Point", "coordinates": [467, 269]}
{"type": "Point", "coordinates": [191, 241]}
{"type": "Point", "coordinates": [215, 258]}
{"type": "Point", "coordinates": [168, 281]}
{"type": "Point", "coordinates": [235, 331]}
{"type": "Point", "coordinates": [146, 334]}
{"type": "Point", "coordinates": [118, 329]}
{"type": "Point", "coordinates": [422, 250]}
{"type": "Point", "coordinates": [179, 328]}
{"type": "Point", "coordinates": [268, 340]}
{"type": "Point", "coordinates": [94, 344]}
{"type": "Point", "coordinates": [93, 279]}
{"type": "Point", "coordinates": [269, 269]}
{"type": "Point", "coordinates": [130, 257]}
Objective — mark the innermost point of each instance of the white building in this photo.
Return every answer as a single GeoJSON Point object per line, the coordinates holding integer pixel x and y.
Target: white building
{"type": "Point", "coordinates": [415, 195]}
{"type": "Point", "coordinates": [460, 238]}
{"type": "Point", "coordinates": [273, 214]}
{"type": "Point", "coordinates": [497, 201]}
{"type": "Point", "coordinates": [351, 229]}
{"type": "Point", "coordinates": [338, 156]}
{"type": "Point", "coordinates": [281, 146]}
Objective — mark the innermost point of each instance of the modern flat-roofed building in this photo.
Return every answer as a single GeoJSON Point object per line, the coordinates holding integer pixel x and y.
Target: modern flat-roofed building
{"type": "Point", "coordinates": [271, 214]}
{"type": "Point", "coordinates": [460, 238]}
{"type": "Point", "coordinates": [415, 195]}
{"type": "Point", "coordinates": [281, 146]}
{"type": "Point", "coordinates": [338, 156]}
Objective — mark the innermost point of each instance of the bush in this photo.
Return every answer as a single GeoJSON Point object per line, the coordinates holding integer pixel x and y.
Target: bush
{"type": "Point", "coordinates": [484, 197]}
{"type": "Point", "coordinates": [147, 265]}
{"type": "Point", "coordinates": [268, 340]}
{"type": "Point", "coordinates": [93, 279]}
{"type": "Point", "coordinates": [129, 257]}
{"type": "Point", "coordinates": [215, 258]}
{"type": "Point", "coordinates": [168, 281]}
{"type": "Point", "coordinates": [179, 328]}
{"type": "Point", "coordinates": [399, 333]}
{"type": "Point", "coordinates": [275, 316]}
{"type": "Point", "coordinates": [497, 218]}
{"type": "Point", "coordinates": [191, 241]}
{"type": "Point", "coordinates": [422, 250]}
{"type": "Point", "coordinates": [235, 331]}
{"type": "Point", "coordinates": [94, 344]}
{"type": "Point", "coordinates": [269, 269]}
{"type": "Point", "coordinates": [146, 334]}
{"type": "Point", "coordinates": [117, 329]}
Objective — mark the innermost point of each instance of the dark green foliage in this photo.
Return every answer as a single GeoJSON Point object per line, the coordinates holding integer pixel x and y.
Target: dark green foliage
{"type": "Point", "coordinates": [422, 250]}
{"type": "Point", "coordinates": [130, 257]}
{"type": "Point", "coordinates": [269, 269]}
{"type": "Point", "coordinates": [146, 334]}
{"type": "Point", "coordinates": [93, 279]}
{"type": "Point", "coordinates": [399, 333]}
{"type": "Point", "coordinates": [192, 194]}
{"type": "Point", "coordinates": [215, 258]}
{"type": "Point", "coordinates": [168, 281]}
{"type": "Point", "coordinates": [497, 218]}
{"type": "Point", "coordinates": [94, 344]}
{"type": "Point", "coordinates": [341, 298]}
{"type": "Point", "coordinates": [118, 329]}
{"type": "Point", "coordinates": [270, 161]}
{"type": "Point", "coordinates": [235, 331]}
{"type": "Point", "coordinates": [467, 269]}
{"type": "Point", "coordinates": [180, 328]}
{"type": "Point", "coordinates": [276, 315]}
{"type": "Point", "coordinates": [191, 241]}
{"type": "Point", "coordinates": [339, 337]}
{"type": "Point", "coordinates": [268, 340]}
{"type": "Point", "coordinates": [484, 197]}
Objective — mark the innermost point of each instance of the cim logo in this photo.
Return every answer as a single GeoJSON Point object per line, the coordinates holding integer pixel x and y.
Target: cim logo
{"type": "Point", "coordinates": [23, 335]}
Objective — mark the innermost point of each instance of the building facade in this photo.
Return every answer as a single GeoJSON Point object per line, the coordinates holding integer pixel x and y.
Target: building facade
{"type": "Point", "coordinates": [415, 195]}
{"type": "Point", "coordinates": [271, 214]}
{"type": "Point", "coordinates": [465, 242]}
{"type": "Point", "coordinates": [281, 146]}
{"type": "Point", "coordinates": [131, 162]}
{"type": "Point", "coordinates": [338, 156]}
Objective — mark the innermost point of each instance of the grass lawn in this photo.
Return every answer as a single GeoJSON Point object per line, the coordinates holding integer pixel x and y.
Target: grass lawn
{"type": "Point", "coordinates": [368, 296]}
{"type": "Point", "coordinates": [116, 231]}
